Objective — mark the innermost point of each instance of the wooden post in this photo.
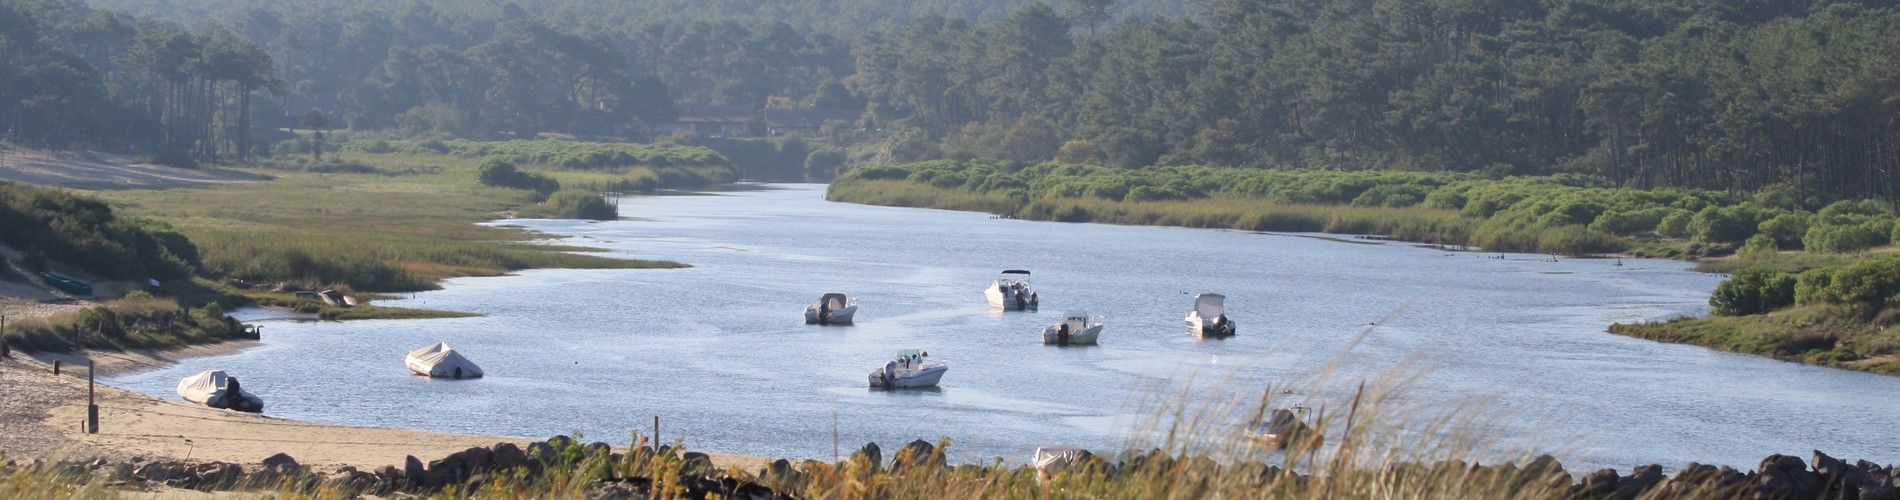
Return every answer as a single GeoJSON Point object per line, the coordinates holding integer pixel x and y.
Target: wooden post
{"type": "Point", "coordinates": [56, 367]}
{"type": "Point", "coordinates": [656, 432]}
{"type": "Point", "coordinates": [92, 405]}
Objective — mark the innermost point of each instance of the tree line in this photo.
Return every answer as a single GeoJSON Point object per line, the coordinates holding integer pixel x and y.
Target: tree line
{"type": "Point", "coordinates": [1725, 95]}
{"type": "Point", "coordinates": [74, 74]}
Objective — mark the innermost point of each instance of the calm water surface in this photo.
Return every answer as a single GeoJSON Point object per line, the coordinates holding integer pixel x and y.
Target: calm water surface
{"type": "Point", "coordinates": [720, 353]}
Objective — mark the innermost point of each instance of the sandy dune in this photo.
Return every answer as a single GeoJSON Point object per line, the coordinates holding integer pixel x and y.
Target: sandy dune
{"type": "Point", "coordinates": [92, 170]}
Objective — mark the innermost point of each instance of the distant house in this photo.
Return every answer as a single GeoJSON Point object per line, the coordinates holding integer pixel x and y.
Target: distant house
{"type": "Point", "coordinates": [783, 121]}
{"type": "Point", "coordinates": [711, 121]}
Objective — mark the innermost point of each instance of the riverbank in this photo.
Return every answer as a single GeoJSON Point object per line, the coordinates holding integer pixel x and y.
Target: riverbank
{"type": "Point", "coordinates": [168, 449]}
{"type": "Point", "coordinates": [1835, 311]}
{"type": "Point", "coordinates": [41, 417]}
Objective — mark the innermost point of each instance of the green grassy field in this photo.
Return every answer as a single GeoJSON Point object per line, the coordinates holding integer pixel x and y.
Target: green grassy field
{"type": "Point", "coordinates": [389, 223]}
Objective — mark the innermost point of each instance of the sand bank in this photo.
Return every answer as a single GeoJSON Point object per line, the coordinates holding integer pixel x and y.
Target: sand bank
{"type": "Point", "coordinates": [41, 416]}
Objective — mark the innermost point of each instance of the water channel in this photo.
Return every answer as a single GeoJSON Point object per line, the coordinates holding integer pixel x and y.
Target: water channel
{"type": "Point", "coordinates": [719, 350]}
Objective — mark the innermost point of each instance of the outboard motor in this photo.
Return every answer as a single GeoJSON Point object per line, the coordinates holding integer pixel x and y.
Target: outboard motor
{"type": "Point", "coordinates": [1062, 334]}
{"type": "Point", "coordinates": [458, 373]}
{"type": "Point", "coordinates": [890, 374]}
{"type": "Point", "coordinates": [233, 397]}
{"type": "Point", "coordinates": [824, 312]}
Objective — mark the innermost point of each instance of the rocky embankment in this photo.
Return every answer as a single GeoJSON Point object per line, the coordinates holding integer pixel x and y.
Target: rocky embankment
{"type": "Point", "coordinates": [1778, 476]}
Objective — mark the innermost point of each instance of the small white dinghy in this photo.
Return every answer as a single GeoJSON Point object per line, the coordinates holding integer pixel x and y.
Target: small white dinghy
{"type": "Point", "coordinates": [1076, 328]}
{"type": "Point", "coordinates": [831, 309]}
{"type": "Point", "coordinates": [1209, 317]}
{"type": "Point", "coordinates": [215, 389]}
{"type": "Point", "coordinates": [441, 361]}
{"type": "Point", "coordinates": [909, 370]}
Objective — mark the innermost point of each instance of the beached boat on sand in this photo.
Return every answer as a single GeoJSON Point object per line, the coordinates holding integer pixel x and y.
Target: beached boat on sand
{"type": "Point", "coordinates": [909, 370]}
{"type": "Point", "coordinates": [831, 309]}
{"type": "Point", "coordinates": [1076, 328]}
{"type": "Point", "coordinates": [215, 389]}
{"type": "Point", "coordinates": [441, 361]}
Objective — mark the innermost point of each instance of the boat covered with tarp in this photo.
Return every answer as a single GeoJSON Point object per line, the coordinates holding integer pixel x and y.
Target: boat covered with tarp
{"type": "Point", "coordinates": [216, 389]}
{"type": "Point", "coordinates": [441, 361]}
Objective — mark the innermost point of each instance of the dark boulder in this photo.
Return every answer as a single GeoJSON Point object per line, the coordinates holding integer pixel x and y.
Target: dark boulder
{"type": "Point", "coordinates": [216, 475]}
{"type": "Point", "coordinates": [1599, 484]}
{"type": "Point", "coordinates": [869, 456]}
{"type": "Point", "coordinates": [280, 460]}
{"type": "Point", "coordinates": [508, 456]}
{"type": "Point", "coordinates": [457, 467]}
{"type": "Point", "coordinates": [540, 454]}
{"type": "Point", "coordinates": [1784, 476]}
{"type": "Point", "coordinates": [917, 453]}
{"type": "Point", "coordinates": [417, 475]}
{"type": "Point", "coordinates": [696, 464]}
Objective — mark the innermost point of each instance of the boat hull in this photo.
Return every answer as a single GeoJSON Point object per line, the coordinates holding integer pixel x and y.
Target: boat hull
{"type": "Point", "coordinates": [838, 317]}
{"type": "Point", "coordinates": [1009, 302]}
{"type": "Point", "coordinates": [1200, 327]}
{"type": "Point", "coordinates": [1085, 336]}
{"type": "Point", "coordinates": [908, 379]}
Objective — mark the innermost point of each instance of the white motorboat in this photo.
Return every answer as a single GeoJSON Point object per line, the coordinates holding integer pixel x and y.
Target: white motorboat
{"type": "Point", "coordinates": [1012, 292]}
{"type": "Point", "coordinates": [1209, 317]}
{"type": "Point", "coordinates": [1076, 328]}
{"type": "Point", "coordinates": [831, 309]}
{"type": "Point", "coordinates": [441, 361]}
{"type": "Point", "coordinates": [909, 370]}
{"type": "Point", "coordinates": [215, 389]}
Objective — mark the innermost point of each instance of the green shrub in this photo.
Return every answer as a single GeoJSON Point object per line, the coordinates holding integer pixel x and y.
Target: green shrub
{"type": "Point", "coordinates": [1849, 236]}
{"type": "Point", "coordinates": [1675, 224]}
{"type": "Point", "coordinates": [1720, 225]}
{"type": "Point", "coordinates": [1629, 222]}
{"type": "Point", "coordinates": [1787, 229]}
{"type": "Point", "coordinates": [576, 204]}
{"type": "Point", "coordinates": [1814, 286]}
{"type": "Point", "coordinates": [500, 173]}
{"type": "Point", "coordinates": [1753, 291]}
{"type": "Point", "coordinates": [1760, 246]}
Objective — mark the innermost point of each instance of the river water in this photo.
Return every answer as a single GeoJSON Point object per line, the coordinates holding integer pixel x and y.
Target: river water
{"type": "Point", "coordinates": [720, 353]}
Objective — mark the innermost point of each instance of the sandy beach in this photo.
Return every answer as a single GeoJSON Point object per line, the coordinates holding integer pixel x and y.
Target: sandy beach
{"type": "Point", "coordinates": [42, 417]}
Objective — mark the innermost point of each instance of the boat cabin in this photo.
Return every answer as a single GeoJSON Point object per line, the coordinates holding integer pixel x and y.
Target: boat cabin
{"type": "Point", "coordinates": [1076, 320]}
{"type": "Point", "coordinates": [911, 358]}
{"type": "Point", "coordinates": [833, 301]}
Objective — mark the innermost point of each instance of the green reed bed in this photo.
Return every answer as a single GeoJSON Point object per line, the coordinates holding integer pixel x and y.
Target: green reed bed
{"type": "Point", "coordinates": [1419, 224]}
{"type": "Point", "coordinates": [1564, 214]}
